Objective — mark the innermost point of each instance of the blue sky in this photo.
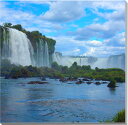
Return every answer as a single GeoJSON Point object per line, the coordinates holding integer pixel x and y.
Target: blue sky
{"type": "Point", "coordinates": [79, 27]}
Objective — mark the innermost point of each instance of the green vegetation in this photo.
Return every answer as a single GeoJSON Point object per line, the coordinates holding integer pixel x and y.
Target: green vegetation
{"type": "Point", "coordinates": [17, 71]}
{"type": "Point", "coordinates": [86, 71]}
{"type": "Point", "coordinates": [58, 71]}
{"type": "Point", "coordinates": [4, 35]}
{"type": "Point", "coordinates": [119, 117]}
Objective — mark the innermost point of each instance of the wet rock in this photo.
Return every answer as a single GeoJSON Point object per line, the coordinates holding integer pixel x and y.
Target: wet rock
{"type": "Point", "coordinates": [7, 77]}
{"type": "Point", "coordinates": [43, 78]}
{"type": "Point", "coordinates": [86, 79]}
{"type": "Point", "coordinates": [97, 83]}
{"type": "Point", "coordinates": [104, 82]}
{"type": "Point", "coordinates": [37, 82]}
{"type": "Point", "coordinates": [79, 82]}
{"type": "Point", "coordinates": [88, 82]}
{"type": "Point", "coordinates": [71, 79]}
{"type": "Point", "coordinates": [11, 77]}
{"type": "Point", "coordinates": [62, 80]}
{"type": "Point", "coordinates": [112, 84]}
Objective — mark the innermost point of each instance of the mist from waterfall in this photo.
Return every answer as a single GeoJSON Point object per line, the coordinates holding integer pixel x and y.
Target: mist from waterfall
{"type": "Point", "coordinates": [116, 61]}
{"type": "Point", "coordinates": [68, 60]}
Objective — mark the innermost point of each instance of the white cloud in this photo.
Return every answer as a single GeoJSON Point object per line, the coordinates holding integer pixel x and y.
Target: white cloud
{"type": "Point", "coordinates": [79, 43]}
{"type": "Point", "coordinates": [74, 52]}
{"type": "Point", "coordinates": [64, 11]}
{"type": "Point", "coordinates": [104, 51]}
{"type": "Point", "coordinates": [95, 43]}
{"type": "Point", "coordinates": [117, 14]}
{"type": "Point", "coordinates": [91, 43]}
{"type": "Point", "coordinates": [104, 31]}
{"type": "Point", "coordinates": [110, 5]}
{"type": "Point", "coordinates": [70, 46]}
{"type": "Point", "coordinates": [15, 16]}
{"type": "Point", "coordinates": [117, 40]}
{"type": "Point", "coordinates": [90, 52]}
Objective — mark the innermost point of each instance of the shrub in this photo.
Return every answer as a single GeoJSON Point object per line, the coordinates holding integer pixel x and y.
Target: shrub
{"type": "Point", "coordinates": [119, 117]}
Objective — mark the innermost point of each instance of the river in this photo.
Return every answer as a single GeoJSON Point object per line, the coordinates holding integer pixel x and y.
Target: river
{"type": "Point", "coordinates": [59, 102]}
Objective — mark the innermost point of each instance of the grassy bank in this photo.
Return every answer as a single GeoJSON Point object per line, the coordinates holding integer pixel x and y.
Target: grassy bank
{"type": "Point", "coordinates": [119, 117]}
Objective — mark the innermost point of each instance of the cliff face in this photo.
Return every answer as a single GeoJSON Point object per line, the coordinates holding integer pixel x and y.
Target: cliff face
{"type": "Point", "coordinates": [39, 48]}
{"type": "Point", "coordinates": [4, 35]}
{"type": "Point", "coordinates": [1, 36]}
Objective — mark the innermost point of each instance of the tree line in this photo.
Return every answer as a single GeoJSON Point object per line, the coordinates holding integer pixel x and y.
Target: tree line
{"type": "Point", "coordinates": [58, 71]}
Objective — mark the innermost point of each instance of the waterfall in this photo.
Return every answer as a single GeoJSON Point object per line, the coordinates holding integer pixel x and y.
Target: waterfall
{"type": "Point", "coordinates": [63, 60]}
{"type": "Point", "coordinates": [69, 60]}
{"type": "Point", "coordinates": [116, 61]}
{"type": "Point", "coordinates": [42, 54]}
{"type": "Point", "coordinates": [46, 55]}
{"type": "Point", "coordinates": [100, 63]}
{"type": "Point", "coordinates": [16, 47]}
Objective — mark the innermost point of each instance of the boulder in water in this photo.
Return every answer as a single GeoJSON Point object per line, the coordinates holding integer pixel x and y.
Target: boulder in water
{"type": "Point", "coordinates": [43, 78]}
{"type": "Point", "coordinates": [97, 83]}
{"type": "Point", "coordinates": [86, 79]}
{"type": "Point", "coordinates": [112, 84]}
{"type": "Point", "coordinates": [7, 77]}
{"type": "Point", "coordinates": [37, 82]}
{"type": "Point", "coordinates": [62, 80]}
{"type": "Point", "coordinates": [88, 82]}
{"type": "Point", "coordinates": [104, 82]}
{"type": "Point", "coordinates": [79, 82]}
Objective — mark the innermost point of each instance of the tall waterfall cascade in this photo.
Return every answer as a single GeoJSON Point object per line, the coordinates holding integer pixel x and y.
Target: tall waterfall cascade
{"type": "Point", "coordinates": [115, 61]}
{"type": "Point", "coordinates": [42, 55]}
{"type": "Point", "coordinates": [18, 49]}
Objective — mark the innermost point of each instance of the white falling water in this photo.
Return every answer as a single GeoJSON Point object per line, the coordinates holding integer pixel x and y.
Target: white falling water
{"type": "Point", "coordinates": [64, 60]}
{"type": "Point", "coordinates": [17, 48]}
{"type": "Point", "coordinates": [42, 54]}
{"type": "Point", "coordinates": [100, 63]}
{"type": "Point", "coordinates": [117, 61]}
{"type": "Point", "coordinates": [68, 60]}
{"type": "Point", "coordinates": [46, 55]}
